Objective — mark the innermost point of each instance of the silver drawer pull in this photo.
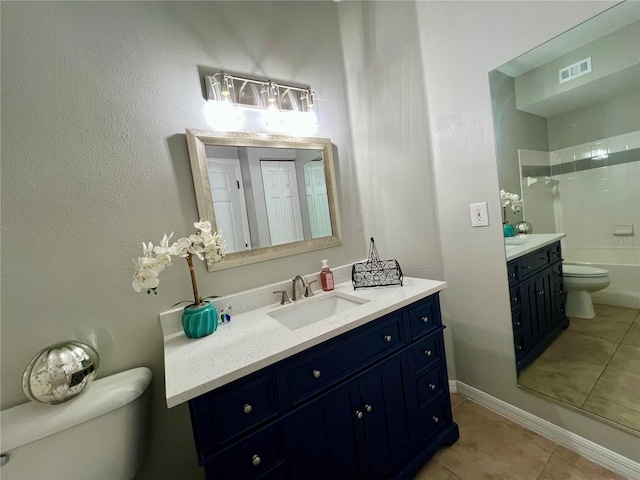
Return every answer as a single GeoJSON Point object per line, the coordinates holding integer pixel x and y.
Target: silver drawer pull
{"type": "Point", "coordinates": [436, 419]}
{"type": "Point", "coordinates": [316, 374]}
{"type": "Point", "coordinates": [388, 338]}
{"type": "Point", "coordinates": [359, 414]}
{"type": "Point", "coordinates": [428, 353]}
{"type": "Point", "coordinates": [247, 408]}
{"type": "Point", "coordinates": [256, 460]}
{"type": "Point", "coordinates": [368, 408]}
{"type": "Point", "coordinates": [425, 319]}
{"type": "Point", "coordinates": [432, 386]}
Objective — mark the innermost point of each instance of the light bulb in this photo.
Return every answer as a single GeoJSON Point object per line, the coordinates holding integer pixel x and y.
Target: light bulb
{"type": "Point", "coordinates": [223, 115]}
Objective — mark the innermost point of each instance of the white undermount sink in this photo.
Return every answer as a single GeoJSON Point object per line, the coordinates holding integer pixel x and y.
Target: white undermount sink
{"type": "Point", "coordinates": [307, 311]}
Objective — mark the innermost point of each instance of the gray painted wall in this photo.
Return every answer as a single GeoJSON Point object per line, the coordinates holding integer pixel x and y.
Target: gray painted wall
{"type": "Point", "coordinates": [95, 100]}
{"type": "Point", "coordinates": [608, 118]}
{"type": "Point", "coordinates": [513, 130]}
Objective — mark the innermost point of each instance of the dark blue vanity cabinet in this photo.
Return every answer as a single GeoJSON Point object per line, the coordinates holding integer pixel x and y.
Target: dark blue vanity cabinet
{"type": "Point", "coordinates": [372, 403]}
{"type": "Point", "coordinates": [536, 291]}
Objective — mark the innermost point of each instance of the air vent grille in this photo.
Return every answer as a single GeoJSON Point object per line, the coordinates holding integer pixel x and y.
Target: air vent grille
{"type": "Point", "coordinates": [574, 71]}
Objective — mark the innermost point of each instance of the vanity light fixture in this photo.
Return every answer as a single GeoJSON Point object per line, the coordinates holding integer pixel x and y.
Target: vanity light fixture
{"type": "Point", "coordinates": [281, 102]}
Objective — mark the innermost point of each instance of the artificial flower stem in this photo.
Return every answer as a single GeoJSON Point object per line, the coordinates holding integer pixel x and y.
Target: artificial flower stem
{"type": "Point", "coordinates": [194, 283]}
{"type": "Point", "coordinates": [504, 216]}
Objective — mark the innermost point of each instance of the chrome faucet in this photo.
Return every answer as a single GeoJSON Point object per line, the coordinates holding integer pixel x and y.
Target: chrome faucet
{"type": "Point", "coordinates": [307, 288]}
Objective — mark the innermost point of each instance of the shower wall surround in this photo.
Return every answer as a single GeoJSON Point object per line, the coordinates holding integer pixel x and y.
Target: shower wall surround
{"type": "Point", "coordinates": [590, 191]}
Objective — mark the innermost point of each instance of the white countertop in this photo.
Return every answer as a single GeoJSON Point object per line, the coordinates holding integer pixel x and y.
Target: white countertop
{"type": "Point", "coordinates": [253, 340]}
{"type": "Point", "coordinates": [520, 245]}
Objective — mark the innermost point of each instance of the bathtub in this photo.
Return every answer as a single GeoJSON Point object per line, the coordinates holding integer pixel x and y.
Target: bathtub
{"type": "Point", "coordinates": [624, 270]}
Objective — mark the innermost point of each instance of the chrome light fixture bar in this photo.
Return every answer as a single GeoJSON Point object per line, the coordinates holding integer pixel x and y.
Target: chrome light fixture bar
{"type": "Point", "coordinates": [251, 92]}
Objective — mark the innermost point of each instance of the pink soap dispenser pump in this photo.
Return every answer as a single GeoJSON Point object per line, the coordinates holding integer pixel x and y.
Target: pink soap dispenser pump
{"type": "Point", "coordinates": [326, 276]}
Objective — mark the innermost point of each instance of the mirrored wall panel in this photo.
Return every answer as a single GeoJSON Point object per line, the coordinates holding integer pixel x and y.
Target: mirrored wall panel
{"type": "Point", "coordinates": [567, 127]}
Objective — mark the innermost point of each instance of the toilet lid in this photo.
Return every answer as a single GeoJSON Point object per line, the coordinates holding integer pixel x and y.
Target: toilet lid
{"type": "Point", "coordinates": [583, 271]}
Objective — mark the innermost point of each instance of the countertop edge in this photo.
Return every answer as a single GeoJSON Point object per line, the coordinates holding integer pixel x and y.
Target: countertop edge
{"type": "Point", "coordinates": [533, 244]}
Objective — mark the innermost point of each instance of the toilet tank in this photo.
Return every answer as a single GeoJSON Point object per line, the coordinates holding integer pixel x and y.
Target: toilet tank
{"type": "Point", "coordinates": [100, 434]}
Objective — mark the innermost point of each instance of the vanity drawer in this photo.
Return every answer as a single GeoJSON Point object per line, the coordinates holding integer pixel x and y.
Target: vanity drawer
{"type": "Point", "coordinates": [435, 416]}
{"type": "Point", "coordinates": [319, 369]}
{"type": "Point", "coordinates": [512, 273]}
{"type": "Point", "coordinates": [431, 385]}
{"type": "Point", "coordinates": [425, 317]}
{"type": "Point", "coordinates": [427, 351]}
{"type": "Point", "coordinates": [259, 456]}
{"type": "Point", "coordinates": [226, 413]}
{"type": "Point", "coordinates": [533, 262]}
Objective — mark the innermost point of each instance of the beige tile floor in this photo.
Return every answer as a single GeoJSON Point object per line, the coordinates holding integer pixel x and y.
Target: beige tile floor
{"type": "Point", "coordinates": [594, 365]}
{"type": "Point", "coordinates": [492, 447]}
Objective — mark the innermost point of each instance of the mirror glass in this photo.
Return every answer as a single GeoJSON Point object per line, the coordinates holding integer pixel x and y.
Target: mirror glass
{"type": "Point", "coordinates": [269, 195]}
{"type": "Point", "coordinates": [567, 126]}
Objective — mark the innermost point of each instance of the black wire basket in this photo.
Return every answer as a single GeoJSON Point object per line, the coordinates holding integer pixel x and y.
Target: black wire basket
{"type": "Point", "coordinates": [375, 272]}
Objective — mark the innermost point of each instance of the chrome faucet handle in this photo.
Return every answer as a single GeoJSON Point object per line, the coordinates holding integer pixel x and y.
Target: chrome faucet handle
{"type": "Point", "coordinates": [285, 298]}
{"type": "Point", "coordinates": [307, 289]}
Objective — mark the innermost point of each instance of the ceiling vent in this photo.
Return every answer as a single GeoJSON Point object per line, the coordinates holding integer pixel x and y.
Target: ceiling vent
{"type": "Point", "coordinates": [574, 71]}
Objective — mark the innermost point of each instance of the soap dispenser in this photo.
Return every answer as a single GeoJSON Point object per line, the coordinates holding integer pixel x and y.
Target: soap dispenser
{"type": "Point", "coordinates": [326, 276]}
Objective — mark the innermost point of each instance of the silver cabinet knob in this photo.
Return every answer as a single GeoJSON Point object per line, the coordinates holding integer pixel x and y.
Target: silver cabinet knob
{"type": "Point", "coordinates": [359, 414]}
{"type": "Point", "coordinates": [368, 408]}
{"type": "Point", "coordinates": [388, 338]}
{"type": "Point", "coordinates": [316, 374]}
{"type": "Point", "coordinates": [256, 460]}
{"type": "Point", "coordinates": [247, 408]}
{"type": "Point", "coordinates": [428, 353]}
{"type": "Point", "coordinates": [425, 319]}
{"type": "Point", "coordinates": [432, 386]}
{"type": "Point", "coordinates": [436, 419]}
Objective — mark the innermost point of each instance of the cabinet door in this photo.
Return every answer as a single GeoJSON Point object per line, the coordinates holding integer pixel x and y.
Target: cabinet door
{"type": "Point", "coordinates": [390, 415]}
{"type": "Point", "coordinates": [324, 438]}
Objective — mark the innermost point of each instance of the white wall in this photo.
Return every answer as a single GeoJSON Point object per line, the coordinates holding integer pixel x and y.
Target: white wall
{"type": "Point", "coordinates": [461, 42]}
{"type": "Point", "coordinates": [95, 100]}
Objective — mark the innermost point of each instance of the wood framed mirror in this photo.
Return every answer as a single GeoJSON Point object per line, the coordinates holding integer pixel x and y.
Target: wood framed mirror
{"type": "Point", "coordinates": [270, 195]}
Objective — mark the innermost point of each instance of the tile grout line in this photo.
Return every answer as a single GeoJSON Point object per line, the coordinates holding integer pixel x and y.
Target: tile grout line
{"type": "Point", "coordinates": [548, 460]}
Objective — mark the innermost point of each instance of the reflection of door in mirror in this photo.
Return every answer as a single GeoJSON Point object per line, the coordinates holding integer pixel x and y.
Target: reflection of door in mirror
{"type": "Point", "coordinates": [281, 198]}
{"type": "Point", "coordinates": [316, 192]}
{"type": "Point", "coordinates": [228, 202]}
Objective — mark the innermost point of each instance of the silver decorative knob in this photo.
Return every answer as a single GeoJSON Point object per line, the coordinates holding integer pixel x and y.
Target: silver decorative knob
{"type": "Point", "coordinates": [432, 386]}
{"type": "Point", "coordinates": [387, 338]}
{"type": "Point", "coordinates": [359, 414]}
{"type": "Point", "coordinates": [368, 408]}
{"type": "Point", "coordinates": [436, 419]}
{"type": "Point", "coordinates": [256, 460]}
{"type": "Point", "coordinates": [247, 408]}
{"type": "Point", "coordinates": [425, 319]}
{"type": "Point", "coordinates": [316, 374]}
{"type": "Point", "coordinates": [428, 353]}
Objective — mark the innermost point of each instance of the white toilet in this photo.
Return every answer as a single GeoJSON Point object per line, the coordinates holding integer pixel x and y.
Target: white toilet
{"type": "Point", "coordinates": [100, 434]}
{"type": "Point", "coordinates": [579, 282]}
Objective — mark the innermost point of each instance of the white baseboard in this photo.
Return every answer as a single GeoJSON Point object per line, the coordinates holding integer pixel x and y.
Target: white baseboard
{"type": "Point", "coordinates": [586, 448]}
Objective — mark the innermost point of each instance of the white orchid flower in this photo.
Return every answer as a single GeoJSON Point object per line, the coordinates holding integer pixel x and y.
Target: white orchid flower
{"type": "Point", "coordinates": [203, 226]}
{"type": "Point", "coordinates": [181, 247]}
{"type": "Point", "coordinates": [147, 250]}
{"type": "Point", "coordinates": [203, 244]}
{"type": "Point", "coordinates": [145, 275]}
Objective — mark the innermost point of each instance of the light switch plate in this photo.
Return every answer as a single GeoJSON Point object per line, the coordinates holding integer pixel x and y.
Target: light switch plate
{"type": "Point", "coordinates": [479, 215]}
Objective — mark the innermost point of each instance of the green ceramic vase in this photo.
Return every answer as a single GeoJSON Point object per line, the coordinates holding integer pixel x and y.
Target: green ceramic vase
{"type": "Point", "coordinates": [199, 321]}
{"type": "Point", "coordinates": [508, 230]}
